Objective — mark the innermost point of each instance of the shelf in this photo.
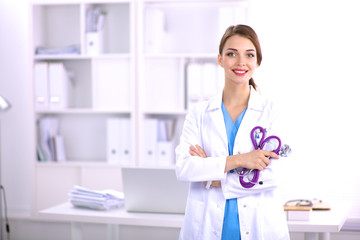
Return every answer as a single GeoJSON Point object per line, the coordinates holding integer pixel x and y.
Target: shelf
{"type": "Point", "coordinates": [80, 164]}
{"type": "Point", "coordinates": [181, 55]}
{"type": "Point", "coordinates": [166, 112]}
{"type": "Point", "coordinates": [81, 56]}
{"type": "Point", "coordinates": [126, 80]}
{"type": "Point", "coordinates": [83, 111]}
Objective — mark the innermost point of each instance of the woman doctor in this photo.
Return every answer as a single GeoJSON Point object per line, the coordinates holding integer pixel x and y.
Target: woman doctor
{"type": "Point", "coordinates": [216, 140]}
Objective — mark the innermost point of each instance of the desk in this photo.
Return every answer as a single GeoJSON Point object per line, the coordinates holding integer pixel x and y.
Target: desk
{"type": "Point", "coordinates": [321, 223]}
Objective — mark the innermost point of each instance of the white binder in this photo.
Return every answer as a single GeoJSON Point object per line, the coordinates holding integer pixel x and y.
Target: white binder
{"type": "Point", "coordinates": [166, 153]}
{"type": "Point", "coordinates": [194, 83]}
{"type": "Point", "coordinates": [154, 30]}
{"type": "Point", "coordinates": [210, 82]}
{"type": "Point", "coordinates": [41, 86]}
{"type": "Point", "coordinates": [149, 156]}
{"type": "Point", "coordinates": [119, 140]}
{"type": "Point", "coordinates": [59, 86]}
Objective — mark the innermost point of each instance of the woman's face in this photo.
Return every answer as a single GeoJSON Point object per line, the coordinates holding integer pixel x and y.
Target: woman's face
{"type": "Point", "coordinates": [238, 59]}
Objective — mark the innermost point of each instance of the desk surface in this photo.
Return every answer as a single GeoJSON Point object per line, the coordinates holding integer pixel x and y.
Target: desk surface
{"type": "Point", "coordinates": [320, 221]}
{"type": "Point", "coordinates": [67, 212]}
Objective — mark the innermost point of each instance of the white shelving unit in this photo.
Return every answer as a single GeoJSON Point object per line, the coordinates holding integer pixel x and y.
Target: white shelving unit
{"type": "Point", "coordinates": [139, 75]}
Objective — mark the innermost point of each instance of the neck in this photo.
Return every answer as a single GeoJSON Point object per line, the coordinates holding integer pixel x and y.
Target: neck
{"type": "Point", "coordinates": [236, 95]}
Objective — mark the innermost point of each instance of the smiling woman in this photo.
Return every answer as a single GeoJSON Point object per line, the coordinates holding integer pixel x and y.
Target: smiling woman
{"type": "Point", "coordinates": [216, 140]}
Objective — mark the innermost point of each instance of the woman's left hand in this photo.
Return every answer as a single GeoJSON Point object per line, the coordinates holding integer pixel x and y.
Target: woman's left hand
{"type": "Point", "coordinates": [199, 152]}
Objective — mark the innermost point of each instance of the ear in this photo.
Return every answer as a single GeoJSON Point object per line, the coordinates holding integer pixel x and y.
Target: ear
{"type": "Point", "coordinates": [220, 60]}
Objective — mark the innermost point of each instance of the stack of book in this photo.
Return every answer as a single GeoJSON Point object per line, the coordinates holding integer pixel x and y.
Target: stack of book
{"type": "Point", "coordinates": [98, 200]}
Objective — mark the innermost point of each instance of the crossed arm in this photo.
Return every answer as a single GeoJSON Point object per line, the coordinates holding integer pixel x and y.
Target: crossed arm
{"type": "Point", "coordinates": [257, 159]}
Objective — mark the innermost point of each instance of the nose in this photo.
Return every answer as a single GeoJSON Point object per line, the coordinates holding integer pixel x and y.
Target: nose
{"type": "Point", "coordinates": [240, 61]}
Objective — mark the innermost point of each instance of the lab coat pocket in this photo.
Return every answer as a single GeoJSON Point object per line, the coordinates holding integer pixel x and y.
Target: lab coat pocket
{"type": "Point", "coordinates": [193, 220]}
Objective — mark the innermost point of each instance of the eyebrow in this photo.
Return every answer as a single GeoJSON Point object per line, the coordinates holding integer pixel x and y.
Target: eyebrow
{"type": "Point", "coordinates": [234, 49]}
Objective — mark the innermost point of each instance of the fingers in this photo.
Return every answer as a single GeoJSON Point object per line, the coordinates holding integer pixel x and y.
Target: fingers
{"type": "Point", "coordinates": [259, 159]}
{"type": "Point", "coordinates": [271, 154]}
{"type": "Point", "coordinates": [197, 151]}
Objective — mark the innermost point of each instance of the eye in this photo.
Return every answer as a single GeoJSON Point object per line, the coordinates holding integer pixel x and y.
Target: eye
{"type": "Point", "coordinates": [231, 54]}
{"type": "Point", "coordinates": [250, 55]}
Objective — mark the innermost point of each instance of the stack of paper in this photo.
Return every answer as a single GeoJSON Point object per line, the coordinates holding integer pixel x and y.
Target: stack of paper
{"type": "Point", "coordinates": [98, 200]}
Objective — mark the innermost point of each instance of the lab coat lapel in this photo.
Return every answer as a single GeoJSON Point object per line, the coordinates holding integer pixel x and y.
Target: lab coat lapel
{"type": "Point", "coordinates": [216, 114]}
{"type": "Point", "coordinates": [243, 142]}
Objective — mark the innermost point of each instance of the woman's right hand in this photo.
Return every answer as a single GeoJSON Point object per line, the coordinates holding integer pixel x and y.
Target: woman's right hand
{"type": "Point", "coordinates": [257, 159]}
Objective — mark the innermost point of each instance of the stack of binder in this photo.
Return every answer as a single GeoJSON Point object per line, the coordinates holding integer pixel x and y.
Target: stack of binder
{"type": "Point", "coordinates": [53, 88]}
{"type": "Point", "coordinates": [93, 199]}
{"type": "Point", "coordinates": [203, 80]}
{"type": "Point", "coordinates": [118, 140]}
{"type": "Point", "coordinates": [158, 142]}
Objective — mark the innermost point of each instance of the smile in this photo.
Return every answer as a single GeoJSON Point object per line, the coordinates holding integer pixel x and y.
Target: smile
{"type": "Point", "coordinates": [240, 72]}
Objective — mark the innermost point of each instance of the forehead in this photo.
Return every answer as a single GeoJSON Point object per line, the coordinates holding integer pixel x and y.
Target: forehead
{"type": "Point", "coordinates": [239, 42]}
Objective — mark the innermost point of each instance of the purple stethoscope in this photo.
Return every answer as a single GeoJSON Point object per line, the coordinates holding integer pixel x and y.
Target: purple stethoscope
{"type": "Point", "coordinates": [259, 143]}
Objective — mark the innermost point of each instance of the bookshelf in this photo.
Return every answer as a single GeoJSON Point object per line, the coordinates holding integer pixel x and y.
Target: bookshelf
{"type": "Point", "coordinates": [136, 76]}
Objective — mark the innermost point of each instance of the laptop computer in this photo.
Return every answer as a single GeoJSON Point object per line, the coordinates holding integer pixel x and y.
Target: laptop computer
{"type": "Point", "coordinates": [153, 190]}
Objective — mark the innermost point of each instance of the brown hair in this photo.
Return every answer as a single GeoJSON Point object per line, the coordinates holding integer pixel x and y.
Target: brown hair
{"type": "Point", "coordinates": [247, 32]}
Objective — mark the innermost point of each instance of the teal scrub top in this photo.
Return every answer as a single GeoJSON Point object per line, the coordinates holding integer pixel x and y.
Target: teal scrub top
{"type": "Point", "coordinates": [231, 228]}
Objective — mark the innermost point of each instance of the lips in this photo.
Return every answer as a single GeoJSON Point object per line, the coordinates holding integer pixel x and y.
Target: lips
{"type": "Point", "coordinates": [240, 72]}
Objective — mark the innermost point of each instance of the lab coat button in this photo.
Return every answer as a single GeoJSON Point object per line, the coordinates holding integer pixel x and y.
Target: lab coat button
{"type": "Point", "coordinates": [247, 233]}
{"type": "Point", "coordinates": [244, 206]}
{"type": "Point", "coordinates": [215, 233]}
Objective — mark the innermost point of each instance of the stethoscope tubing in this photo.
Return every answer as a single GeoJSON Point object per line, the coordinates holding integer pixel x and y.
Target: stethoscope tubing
{"type": "Point", "coordinates": [256, 172]}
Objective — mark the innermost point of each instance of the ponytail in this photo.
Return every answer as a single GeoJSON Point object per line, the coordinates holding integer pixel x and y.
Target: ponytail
{"type": "Point", "coordinates": [252, 83]}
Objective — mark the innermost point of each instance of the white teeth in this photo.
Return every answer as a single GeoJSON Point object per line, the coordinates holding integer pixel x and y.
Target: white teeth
{"type": "Point", "coordinates": [241, 72]}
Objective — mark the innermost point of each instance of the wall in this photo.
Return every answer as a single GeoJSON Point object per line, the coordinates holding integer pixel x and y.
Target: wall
{"type": "Point", "coordinates": [16, 125]}
{"type": "Point", "coordinates": [310, 51]}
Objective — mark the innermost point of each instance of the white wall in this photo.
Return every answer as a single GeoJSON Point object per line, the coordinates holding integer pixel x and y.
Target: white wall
{"type": "Point", "coordinates": [17, 124]}
{"type": "Point", "coordinates": [310, 51]}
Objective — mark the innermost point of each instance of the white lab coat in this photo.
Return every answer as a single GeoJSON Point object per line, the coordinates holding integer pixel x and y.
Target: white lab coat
{"type": "Point", "coordinates": [261, 215]}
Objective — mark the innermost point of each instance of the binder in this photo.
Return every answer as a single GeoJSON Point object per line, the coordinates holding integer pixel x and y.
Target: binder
{"type": "Point", "coordinates": [119, 140]}
{"type": "Point", "coordinates": [165, 144]}
{"type": "Point", "coordinates": [149, 156]}
{"type": "Point", "coordinates": [59, 86]}
{"type": "Point", "coordinates": [94, 43]}
{"type": "Point", "coordinates": [166, 153]}
{"type": "Point", "coordinates": [41, 86]}
{"type": "Point", "coordinates": [194, 82]}
{"type": "Point", "coordinates": [154, 30]}
{"type": "Point", "coordinates": [210, 81]}
{"type": "Point", "coordinates": [60, 154]}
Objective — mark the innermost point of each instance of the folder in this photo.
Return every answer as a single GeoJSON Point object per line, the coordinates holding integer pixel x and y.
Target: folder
{"type": "Point", "coordinates": [60, 86]}
{"type": "Point", "coordinates": [119, 140]}
{"type": "Point", "coordinates": [41, 86]}
{"type": "Point", "coordinates": [47, 129]}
